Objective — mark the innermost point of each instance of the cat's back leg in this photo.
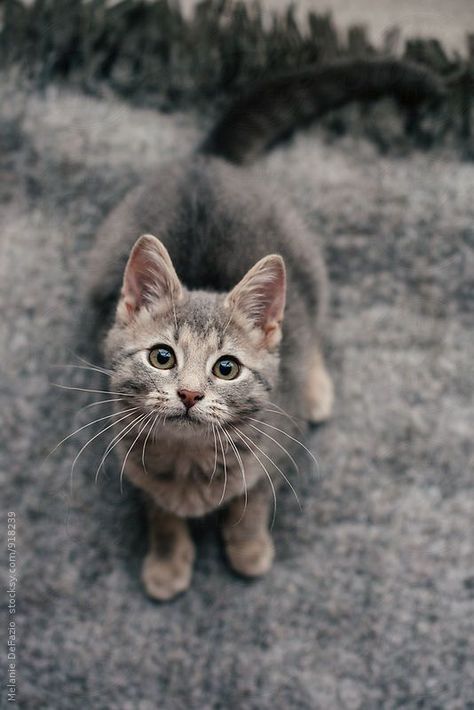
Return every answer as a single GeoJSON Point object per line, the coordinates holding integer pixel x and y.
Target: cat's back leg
{"type": "Point", "coordinates": [320, 390]}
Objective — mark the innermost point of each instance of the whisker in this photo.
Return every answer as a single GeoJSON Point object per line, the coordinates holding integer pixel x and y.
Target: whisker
{"type": "Point", "coordinates": [115, 440]}
{"type": "Point", "coordinates": [266, 473]}
{"type": "Point", "coordinates": [215, 455]}
{"type": "Point", "coordinates": [90, 368]}
{"type": "Point", "coordinates": [174, 314]}
{"type": "Point", "coordinates": [285, 433]}
{"type": "Point", "coordinates": [284, 413]}
{"type": "Point", "coordinates": [242, 470]}
{"type": "Point", "coordinates": [148, 418]}
{"type": "Point", "coordinates": [285, 478]}
{"type": "Point", "coordinates": [82, 389]}
{"type": "Point", "coordinates": [101, 401]}
{"type": "Point", "coordinates": [278, 444]}
{"type": "Point", "coordinates": [84, 426]}
{"type": "Point", "coordinates": [146, 441]}
{"type": "Point", "coordinates": [130, 414]}
{"type": "Point", "coordinates": [96, 367]}
{"type": "Point", "coordinates": [225, 468]}
{"type": "Point", "coordinates": [162, 411]}
{"type": "Point", "coordinates": [229, 321]}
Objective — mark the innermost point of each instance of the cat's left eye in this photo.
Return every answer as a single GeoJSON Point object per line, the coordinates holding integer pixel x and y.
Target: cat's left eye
{"type": "Point", "coordinates": [226, 368]}
{"type": "Point", "coordinates": [162, 357]}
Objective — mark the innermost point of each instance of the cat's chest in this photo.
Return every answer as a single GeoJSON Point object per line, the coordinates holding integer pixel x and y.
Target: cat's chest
{"type": "Point", "coordinates": [180, 460]}
{"type": "Point", "coordinates": [182, 478]}
{"type": "Point", "coordinates": [190, 478]}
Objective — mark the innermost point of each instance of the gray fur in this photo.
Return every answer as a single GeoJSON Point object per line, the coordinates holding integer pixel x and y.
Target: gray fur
{"type": "Point", "coordinates": [371, 601]}
{"type": "Point", "coordinates": [216, 223]}
{"type": "Point", "coordinates": [274, 108]}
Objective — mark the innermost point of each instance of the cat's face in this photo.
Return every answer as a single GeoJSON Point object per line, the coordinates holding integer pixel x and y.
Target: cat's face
{"type": "Point", "coordinates": [195, 358]}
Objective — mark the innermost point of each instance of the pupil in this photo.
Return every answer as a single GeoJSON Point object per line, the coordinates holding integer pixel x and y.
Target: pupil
{"type": "Point", "coordinates": [225, 368]}
{"type": "Point", "coordinates": [163, 356]}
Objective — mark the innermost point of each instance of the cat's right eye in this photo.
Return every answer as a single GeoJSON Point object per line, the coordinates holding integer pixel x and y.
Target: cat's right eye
{"type": "Point", "coordinates": [162, 357]}
{"type": "Point", "coordinates": [226, 368]}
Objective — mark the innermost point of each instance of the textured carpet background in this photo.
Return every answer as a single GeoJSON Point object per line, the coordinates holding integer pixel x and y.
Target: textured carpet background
{"type": "Point", "coordinates": [424, 18]}
{"type": "Point", "coordinates": [371, 600]}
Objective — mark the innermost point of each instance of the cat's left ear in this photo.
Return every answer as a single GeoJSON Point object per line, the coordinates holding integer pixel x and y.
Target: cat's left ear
{"type": "Point", "coordinates": [260, 297]}
{"type": "Point", "coordinates": [149, 278]}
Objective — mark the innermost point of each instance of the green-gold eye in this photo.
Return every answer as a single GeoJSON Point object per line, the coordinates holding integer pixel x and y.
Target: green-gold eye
{"type": "Point", "coordinates": [226, 368]}
{"type": "Point", "coordinates": [162, 357]}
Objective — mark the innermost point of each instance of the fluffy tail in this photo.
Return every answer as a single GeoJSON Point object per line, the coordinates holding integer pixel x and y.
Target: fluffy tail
{"type": "Point", "coordinates": [273, 109]}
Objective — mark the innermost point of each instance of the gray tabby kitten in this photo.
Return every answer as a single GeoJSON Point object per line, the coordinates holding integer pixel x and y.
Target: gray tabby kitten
{"type": "Point", "coordinates": [215, 344]}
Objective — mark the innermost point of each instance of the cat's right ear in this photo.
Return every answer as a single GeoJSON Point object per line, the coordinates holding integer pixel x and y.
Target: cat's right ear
{"type": "Point", "coordinates": [149, 278]}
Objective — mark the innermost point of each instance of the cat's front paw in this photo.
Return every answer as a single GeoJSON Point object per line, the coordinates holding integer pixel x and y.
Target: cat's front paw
{"type": "Point", "coordinates": [251, 557]}
{"type": "Point", "coordinates": [164, 578]}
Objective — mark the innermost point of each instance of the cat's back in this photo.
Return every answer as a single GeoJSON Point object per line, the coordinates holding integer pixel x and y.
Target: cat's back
{"type": "Point", "coordinates": [216, 221]}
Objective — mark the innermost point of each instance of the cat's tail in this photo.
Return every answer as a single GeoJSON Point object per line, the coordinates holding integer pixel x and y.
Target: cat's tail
{"type": "Point", "coordinates": [275, 108]}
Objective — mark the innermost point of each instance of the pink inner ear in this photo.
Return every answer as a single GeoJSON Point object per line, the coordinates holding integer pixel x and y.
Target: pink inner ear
{"type": "Point", "coordinates": [149, 275]}
{"type": "Point", "coordinates": [138, 276]}
{"type": "Point", "coordinates": [260, 296]}
{"type": "Point", "coordinates": [274, 297]}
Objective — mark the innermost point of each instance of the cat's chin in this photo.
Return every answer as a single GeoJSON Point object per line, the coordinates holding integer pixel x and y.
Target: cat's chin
{"type": "Point", "coordinates": [186, 419]}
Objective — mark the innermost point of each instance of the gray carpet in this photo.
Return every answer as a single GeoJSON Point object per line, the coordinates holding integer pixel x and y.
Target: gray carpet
{"type": "Point", "coordinates": [371, 600]}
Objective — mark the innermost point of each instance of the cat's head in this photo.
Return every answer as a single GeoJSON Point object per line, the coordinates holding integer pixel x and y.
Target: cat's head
{"type": "Point", "coordinates": [195, 357]}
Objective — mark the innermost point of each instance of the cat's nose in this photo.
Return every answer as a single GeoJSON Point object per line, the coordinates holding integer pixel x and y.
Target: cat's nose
{"type": "Point", "coordinates": [189, 397]}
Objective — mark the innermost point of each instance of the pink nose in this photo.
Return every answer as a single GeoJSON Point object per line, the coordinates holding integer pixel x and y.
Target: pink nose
{"type": "Point", "coordinates": [189, 397]}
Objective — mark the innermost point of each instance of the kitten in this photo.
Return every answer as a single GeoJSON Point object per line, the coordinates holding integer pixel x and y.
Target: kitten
{"type": "Point", "coordinates": [215, 345]}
